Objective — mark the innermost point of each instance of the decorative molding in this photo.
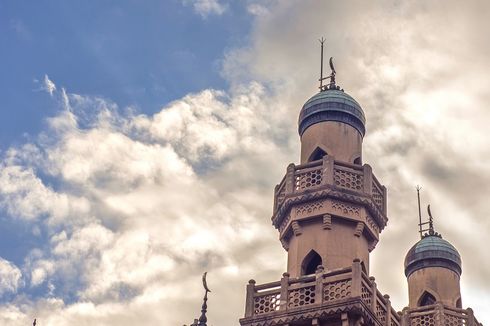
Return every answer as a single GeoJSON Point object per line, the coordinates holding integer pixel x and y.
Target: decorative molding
{"type": "Point", "coordinates": [327, 192]}
{"type": "Point", "coordinates": [309, 208]}
{"type": "Point", "coordinates": [346, 208]}
{"type": "Point", "coordinates": [285, 244]}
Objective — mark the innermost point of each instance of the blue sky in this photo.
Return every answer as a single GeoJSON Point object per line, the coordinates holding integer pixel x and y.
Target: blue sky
{"type": "Point", "coordinates": [137, 54]}
{"type": "Point", "coordinates": [140, 143]}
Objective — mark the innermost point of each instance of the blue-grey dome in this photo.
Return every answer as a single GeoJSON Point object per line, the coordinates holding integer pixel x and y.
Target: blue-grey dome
{"type": "Point", "coordinates": [332, 105]}
{"type": "Point", "coordinates": [432, 251]}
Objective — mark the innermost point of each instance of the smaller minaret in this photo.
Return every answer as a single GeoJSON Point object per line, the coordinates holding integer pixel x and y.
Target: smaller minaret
{"type": "Point", "coordinates": [433, 269]}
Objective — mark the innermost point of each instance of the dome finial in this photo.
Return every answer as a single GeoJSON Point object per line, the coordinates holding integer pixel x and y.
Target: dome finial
{"type": "Point", "coordinates": [331, 85]}
{"type": "Point", "coordinates": [430, 230]}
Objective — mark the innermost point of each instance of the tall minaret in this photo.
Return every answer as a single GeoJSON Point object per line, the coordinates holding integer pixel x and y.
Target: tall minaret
{"type": "Point", "coordinates": [330, 209]}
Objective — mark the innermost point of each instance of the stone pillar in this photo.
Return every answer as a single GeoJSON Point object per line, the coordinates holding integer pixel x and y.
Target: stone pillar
{"type": "Point", "coordinates": [319, 284]}
{"type": "Point", "coordinates": [249, 303]}
{"type": "Point", "coordinates": [374, 289]}
{"type": "Point", "coordinates": [345, 319]}
{"type": "Point", "coordinates": [439, 314]}
{"type": "Point", "coordinates": [388, 309]}
{"type": "Point", "coordinates": [290, 182]}
{"type": "Point", "coordinates": [368, 179]}
{"type": "Point", "coordinates": [405, 317]}
{"type": "Point", "coordinates": [327, 169]}
{"type": "Point", "coordinates": [283, 303]}
{"type": "Point", "coordinates": [356, 278]}
{"type": "Point", "coordinates": [471, 317]}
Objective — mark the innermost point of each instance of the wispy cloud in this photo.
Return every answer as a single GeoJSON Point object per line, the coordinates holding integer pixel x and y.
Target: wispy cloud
{"type": "Point", "coordinates": [207, 7]}
{"type": "Point", "coordinates": [48, 85]}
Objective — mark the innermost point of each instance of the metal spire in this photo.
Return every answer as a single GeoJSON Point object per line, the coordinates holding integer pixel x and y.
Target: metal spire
{"type": "Point", "coordinates": [420, 213]}
{"type": "Point", "coordinates": [430, 230]}
{"type": "Point", "coordinates": [322, 40]}
{"type": "Point", "coordinates": [331, 85]}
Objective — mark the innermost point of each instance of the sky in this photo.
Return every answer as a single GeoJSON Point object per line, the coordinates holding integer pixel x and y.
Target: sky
{"type": "Point", "coordinates": [140, 143]}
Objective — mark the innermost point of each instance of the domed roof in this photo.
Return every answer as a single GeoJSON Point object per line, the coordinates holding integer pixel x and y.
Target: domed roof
{"type": "Point", "coordinates": [432, 251]}
{"type": "Point", "coordinates": [332, 105]}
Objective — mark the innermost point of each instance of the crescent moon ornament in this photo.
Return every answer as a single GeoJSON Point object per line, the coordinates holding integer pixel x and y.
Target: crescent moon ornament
{"type": "Point", "coordinates": [331, 65]}
{"type": "Point", "coordinates": [204, 283]}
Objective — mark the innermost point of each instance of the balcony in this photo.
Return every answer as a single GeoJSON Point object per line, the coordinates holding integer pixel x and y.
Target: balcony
{"type": "Point", "coordinates": [330, 178]}
{"type": "Point", "coordinates": [439, 315]}
{"type": "Point", "coordinates": [322, 294]}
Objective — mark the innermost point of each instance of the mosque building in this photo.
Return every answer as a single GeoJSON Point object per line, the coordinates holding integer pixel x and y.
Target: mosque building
{"type": "Point", "coordinates": [329, 211]}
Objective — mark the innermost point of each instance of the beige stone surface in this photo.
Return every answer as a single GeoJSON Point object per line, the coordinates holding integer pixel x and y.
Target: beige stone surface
{"type": "Point", "coordinates": [442, 283]}
{"type": "Point", "coordinates": [336, 138]}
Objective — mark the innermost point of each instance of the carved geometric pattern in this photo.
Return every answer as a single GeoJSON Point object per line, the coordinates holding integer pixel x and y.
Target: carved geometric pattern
{"type": "Point", "coordinates": [301, 297]}
{"type": "Point", "coordinates": [309, 208]}
{"type": "Point", "coordinates": [281, 194]}
{"type": "Point", "coordinates": [308, 179]}
{"type": "Point", "coordinates": [346, 208]}
{"type": "Point", "coordinates": [266, 303]}
{"type": "Point", "coordinates": [394, 323]}
{"type": "Point", "coordinates": [380, 313]}
{"type": "Point", "coordinates": [377, 196]}
{"type": "Point", "coordinates": [284, 223]}
{"type": "Point", "coordinates": [450, 320]}
{"type": "Point", "coordinates": [366, 296]}
{"type": "Point", "coordinates": [348, 179]}
{"type": "Point", "coordinates": [425, 320]}
{"type": "Point", "coordinates": [336, 290]}
{"type": "Point", "coordinates": [372, 224]}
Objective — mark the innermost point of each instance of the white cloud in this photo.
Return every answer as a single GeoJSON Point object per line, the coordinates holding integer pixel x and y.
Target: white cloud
{"type": "Point", "coordinates": [48, 85]}
{"type": "Point", "coordinates": [207, 7]}
{"type": "Point", "coordinates": [10, 277]}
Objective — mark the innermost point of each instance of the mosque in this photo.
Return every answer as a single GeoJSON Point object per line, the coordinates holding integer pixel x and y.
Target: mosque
{"type": "Point", "coordinates": [329, 211]}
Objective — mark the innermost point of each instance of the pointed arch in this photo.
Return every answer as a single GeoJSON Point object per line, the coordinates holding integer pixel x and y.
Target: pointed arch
{"type": "Point", "coordinates": [317, 154]}
{"type": "Point", "coordinates": [426, 299]}
{"type": "Point", "coordinates": [459, 304]}
{"type": "Point", "coordinates": [310, 263]}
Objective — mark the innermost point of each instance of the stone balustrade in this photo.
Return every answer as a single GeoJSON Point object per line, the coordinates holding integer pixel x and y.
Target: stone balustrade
{"type": "Point", "coordinates": [327, 172]}
{"type": "Point", "coordinates": [438, 315]}
{"type": "Point", "coordinates": [349, 287]}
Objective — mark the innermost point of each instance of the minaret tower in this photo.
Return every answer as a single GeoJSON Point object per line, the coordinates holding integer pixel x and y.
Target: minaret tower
{"type": "Point", "coordinates": [329, 211]}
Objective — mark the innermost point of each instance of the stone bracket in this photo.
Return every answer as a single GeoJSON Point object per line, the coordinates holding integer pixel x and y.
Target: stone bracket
{"type": "Point", "coordinates": [297, 229]}
{"type": "Point", "coordinates": [359, 229]}
{"type": "Point", "coordinates": [327, 222]}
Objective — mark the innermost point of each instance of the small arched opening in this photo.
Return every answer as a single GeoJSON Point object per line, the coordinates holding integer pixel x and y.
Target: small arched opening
{"type": "Point", "coordinates": [310, 263]}
{"type": "Point", "coordinates": [317, 154]}
{"type": "Point", "coordinates": [358, 161]}
{"type": "Point", "coordinates": [426, 299]}
{"type": "Point", "coordinates": [459, 304]}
